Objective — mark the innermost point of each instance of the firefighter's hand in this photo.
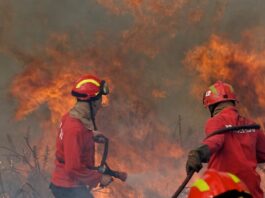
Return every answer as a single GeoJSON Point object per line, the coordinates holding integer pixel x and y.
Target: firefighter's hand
{"type": "Point", "coordinates": [105, 180]}
{"type": "Point", "coordinates": [194, 162]}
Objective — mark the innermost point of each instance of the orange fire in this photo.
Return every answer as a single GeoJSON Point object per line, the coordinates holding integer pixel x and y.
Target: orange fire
{"type": "Point", "coordinates": [105, 100]}
{"type": "Point", "coordinates": [221, 59]}
{"type": "Point", "coordinates": [33, 89]}
{"type": "Point", "coordinates": [139, 142]}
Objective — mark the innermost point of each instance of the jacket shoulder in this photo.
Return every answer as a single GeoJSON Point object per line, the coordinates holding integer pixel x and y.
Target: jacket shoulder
{"type": "Point", "coordinates": [214, 123]}
{"type": "Point", "coordinates": [73, 124]}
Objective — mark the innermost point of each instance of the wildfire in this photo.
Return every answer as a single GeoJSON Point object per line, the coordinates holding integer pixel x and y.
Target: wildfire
{"type": "Point", "coordinates": [139, 142]}
{"type": "Point", "coordinates": [221, 59]}
{"type": "Point", "coordinates": [33, 89]}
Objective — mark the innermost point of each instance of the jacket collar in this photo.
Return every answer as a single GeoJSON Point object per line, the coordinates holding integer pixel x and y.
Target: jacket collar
{"type": "Point", "coordinates": [81, 112]}
{"type": "Point", "coordinates": [224, 107]}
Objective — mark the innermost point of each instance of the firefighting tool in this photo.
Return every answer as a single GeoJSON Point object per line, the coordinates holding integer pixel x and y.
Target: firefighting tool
{"type": "Point", "coordinates": [90, 88]}
{"type": "Point", "coordinates": [217, 132]}
{"type": "Point", "coordinates": [184, 183]}
{"type": "Point", "coordinates": [103, 167]}
{"type": "Point", "coordinates": [219, 185]}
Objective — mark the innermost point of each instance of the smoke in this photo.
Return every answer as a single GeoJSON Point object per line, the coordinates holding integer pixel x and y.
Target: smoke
{"type": "Point", "coordinates": [138, 46]}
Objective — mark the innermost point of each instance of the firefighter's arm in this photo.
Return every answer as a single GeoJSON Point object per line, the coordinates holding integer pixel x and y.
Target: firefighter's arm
{"type": "Point", "coordinates": [260, 147]}
{"type": "Point", "coordinates": [215, 142]}
{"type": "Point", "coordinates": [73, 166]}
{"type": "Point", "coordinates": [209, 146]}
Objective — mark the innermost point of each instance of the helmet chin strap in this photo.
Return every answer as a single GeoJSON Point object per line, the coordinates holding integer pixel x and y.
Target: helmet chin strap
{"type": "Point", "coordinates": [212, 108]}
{"type": "Point", "coordinates": [92, 115]}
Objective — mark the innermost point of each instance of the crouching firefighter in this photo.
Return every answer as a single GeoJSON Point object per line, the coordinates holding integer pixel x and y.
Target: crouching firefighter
{"type": "Point", "coordinates": [216, 184]}
{"type": "Point", "coordinates": [75, 173]}
{"type": "Point", "coordinates": [233, 143]}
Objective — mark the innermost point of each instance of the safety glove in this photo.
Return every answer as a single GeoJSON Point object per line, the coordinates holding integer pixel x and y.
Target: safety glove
{"type": "Point", "coordinates": [196, 157]}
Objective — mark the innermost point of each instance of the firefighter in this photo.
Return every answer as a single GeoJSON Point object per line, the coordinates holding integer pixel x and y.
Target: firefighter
{"type": "Point", "coordinates": [237, 152]}
{"type": "Point", "coordinates": [75, 146]}
{"type": "Point", "coordinates": [218, 184]}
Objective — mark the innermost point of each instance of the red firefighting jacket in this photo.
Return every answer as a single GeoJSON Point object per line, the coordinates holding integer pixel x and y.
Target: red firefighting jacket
{"type": "Point", "coordinates": [237, 152]}
{"type": "Point", "coordinates": [75, 151]}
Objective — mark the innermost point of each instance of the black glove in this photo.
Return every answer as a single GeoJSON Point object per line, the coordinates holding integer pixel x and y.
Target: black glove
{"type": "Point", "coordinates": [194, 162]}
{"type": "Point", "coordinates": [196, 158]}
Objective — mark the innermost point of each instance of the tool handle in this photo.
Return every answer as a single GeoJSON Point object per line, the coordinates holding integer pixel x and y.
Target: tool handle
{"type": "Point", "coordinates": [120, 175]}
{"type": "Point", "coordinates": [117, 174]}
{"type": "Point", "coordinates": [182, 186]}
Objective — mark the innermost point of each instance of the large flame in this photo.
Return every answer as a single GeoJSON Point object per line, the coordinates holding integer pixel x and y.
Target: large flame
{"type": "Point", "coordinates": [235, 63]}
{"type": "Point", "coordinates": [141, 143]}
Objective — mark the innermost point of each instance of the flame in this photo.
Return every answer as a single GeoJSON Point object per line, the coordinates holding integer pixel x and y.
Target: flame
{"type": "Point", "coordinates": [235, 63]}
{"type": "Point", "coordinates": [134, 132]}
{"type": "Point", "coordinates": [140, 143]}
{"type": "Point", "coordinates": [33, 89]}
{"type": "Point", "coordinates": [105, 101]}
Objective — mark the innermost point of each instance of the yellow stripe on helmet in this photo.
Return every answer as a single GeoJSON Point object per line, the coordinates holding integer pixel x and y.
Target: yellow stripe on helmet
{"type": "Point", "coordinates": [201, 185]}
{"type": "Point", "coordinates": [234, 178]}
{"type": "Point", "coordinates": [87, 81]}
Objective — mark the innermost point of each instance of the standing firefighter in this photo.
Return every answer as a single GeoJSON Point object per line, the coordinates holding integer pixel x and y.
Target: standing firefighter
{"type": "Point", "coordinates": [236, 151]}
{"type": "Point", "coordinates": [75, 145]}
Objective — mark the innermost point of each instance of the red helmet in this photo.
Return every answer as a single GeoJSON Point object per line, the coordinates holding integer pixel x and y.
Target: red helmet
{"type": "Point", "coordinates": [89, 87]}
{"type": "Point", "coordinates": [215, 184]}
{"type": "Point", "coordinates": [218, 92]}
